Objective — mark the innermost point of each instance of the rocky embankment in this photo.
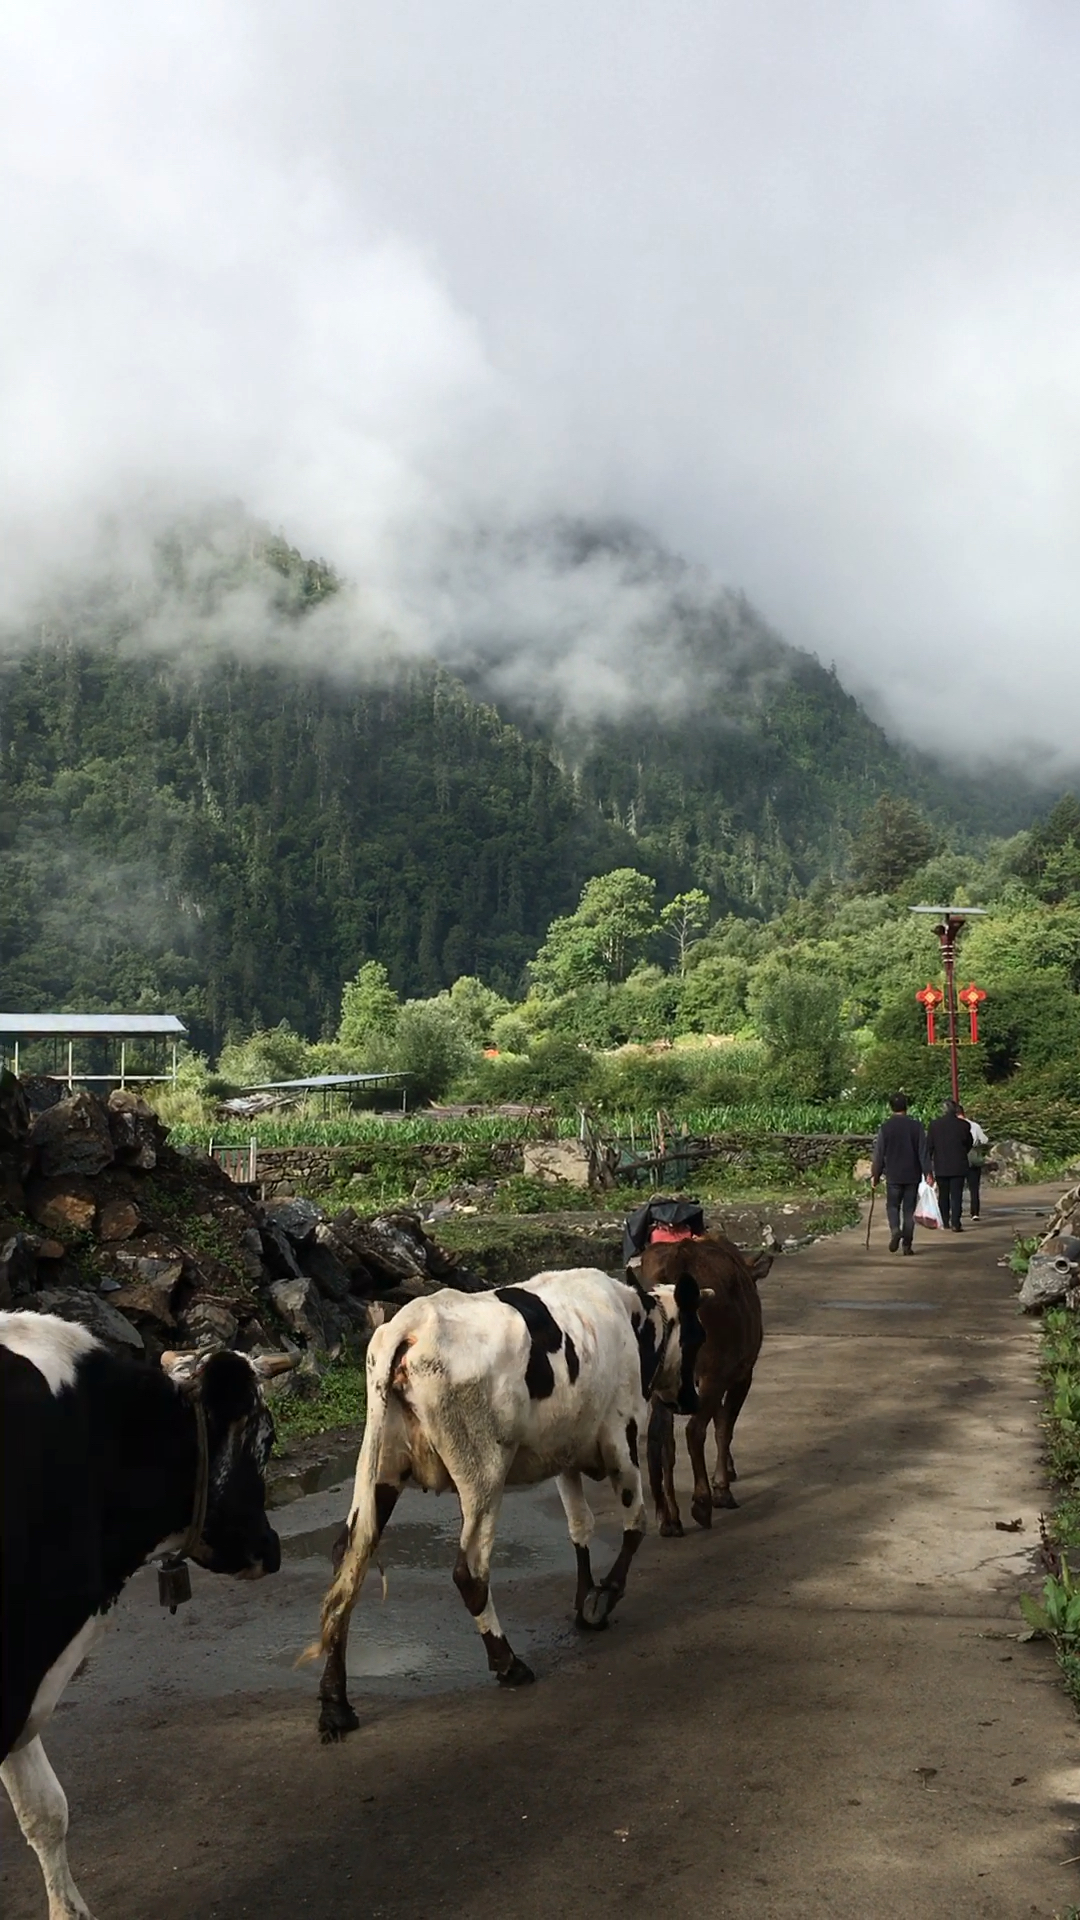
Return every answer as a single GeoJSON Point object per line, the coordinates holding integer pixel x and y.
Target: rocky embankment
{"type": "Point", "coordinates": [1053, 1275]}
{"type": "Point", "coordinates": [151, 1247]}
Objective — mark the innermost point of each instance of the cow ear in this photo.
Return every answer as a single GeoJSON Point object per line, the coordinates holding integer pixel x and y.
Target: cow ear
{"type": "Point", "coordinates": [761, 1266]}
{"type": "Point", "coordinates": [227, 1386]}
{"type": "Point", "coordinates": [687, 1293]}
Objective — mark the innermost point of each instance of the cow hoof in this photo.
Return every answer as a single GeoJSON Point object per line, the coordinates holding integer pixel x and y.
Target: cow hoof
{"type": "Point", "coordinates": [724, 1497]}
{"type": "Point", "coordinates": [335, 1721]}
{"type": "Point", "coordinates": [517, 1674]}
{"type": "Point", "coordinates": [702, 1512]}
{"type": "Point", "coordinates": [595, 1608]}
{"type": "Point", "coordinates": [671, 1529]}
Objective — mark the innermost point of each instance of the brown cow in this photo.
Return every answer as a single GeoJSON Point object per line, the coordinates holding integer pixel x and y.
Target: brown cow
{"type": "Point", "coordinates": [730, 1315]}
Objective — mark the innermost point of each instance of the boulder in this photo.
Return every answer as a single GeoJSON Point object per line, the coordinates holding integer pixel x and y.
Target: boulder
{"type": "Point", "coordinates": [297, 1301]}
{"type": "Point", "coordinates": [1050, 1276]}
{"type": "Point", "coordinates": [251, 1254]}
{"type": "Point", "coordinates": [209, 1323]}
{"type": "Point", "coordinates": [19, 1256]}
{"type": "Point", "coordinates": [1009, 1161]}
{"type": "Point", "coordinates": [136, 1132]}
{"type": "Point", "coordinates": [72, 1138]}
{"type": "Point", "coordinates": [18, 1268]}
{"type": "Point", "coordinates": [118, 1220]}
{"type": "Point", "coordinates": [278, 1252]}
{"type": "Point", "coordinates": [63, 1205]}
{"type": "Point", "coordinates": [12, 1191]}
{"type": "Point", "coordinates": [96, 1315]}
{"type": "Point", "coordinates": [162, 1270]}
{"type": "Point", "coordinates": [15, 1118]}
{"type": "Point", "coordinates": [295, 1217]}
{"type": "Point", "coordinates": [144, 1303]}
{"type": "Point", "coordinates": [564, 1161]}
{"type": "Point", "coordinates": [394, 1245]}
{"type": "Point", "coordinates": [321, 1264]}
{"type": "Point", "coordinates": [1065, 1217]}
{"type": "Point", "coordinates": [41, 1091]}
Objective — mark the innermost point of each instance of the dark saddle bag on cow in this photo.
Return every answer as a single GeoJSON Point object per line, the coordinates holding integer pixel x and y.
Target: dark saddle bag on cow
{"type": "Point", "coordinates": [661, 1220]}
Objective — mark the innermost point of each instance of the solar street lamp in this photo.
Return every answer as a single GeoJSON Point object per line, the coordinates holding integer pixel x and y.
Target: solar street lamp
{"type": "Point", "coordinates": [951, 922]}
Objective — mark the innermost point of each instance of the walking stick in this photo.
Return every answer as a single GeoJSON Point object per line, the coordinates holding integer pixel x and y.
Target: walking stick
{"type": "Point", "coordinates": [870, 1216]}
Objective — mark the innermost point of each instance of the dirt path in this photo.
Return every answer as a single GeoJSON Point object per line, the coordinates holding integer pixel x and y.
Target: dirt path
{"type": "Point", "coordinates": [809, 1711]}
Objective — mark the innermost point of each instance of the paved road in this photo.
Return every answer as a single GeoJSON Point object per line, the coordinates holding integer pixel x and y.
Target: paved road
{"type": "Point", "coordinates": [813, 1710]}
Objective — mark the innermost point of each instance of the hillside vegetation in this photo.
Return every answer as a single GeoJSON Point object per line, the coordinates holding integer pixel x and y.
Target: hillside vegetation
{"type": "Point", "coordinates": [804, 1023]}
{"type": "Point", "coordinates": [201, 812]}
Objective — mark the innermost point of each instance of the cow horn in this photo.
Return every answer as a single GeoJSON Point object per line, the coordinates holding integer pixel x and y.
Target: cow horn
{"type": "Point", "coordinates": [268, 1365]}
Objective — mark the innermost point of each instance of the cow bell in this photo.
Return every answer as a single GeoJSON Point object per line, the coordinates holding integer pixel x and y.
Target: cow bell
{"type": "Point", "coordinates": [173, 1584]}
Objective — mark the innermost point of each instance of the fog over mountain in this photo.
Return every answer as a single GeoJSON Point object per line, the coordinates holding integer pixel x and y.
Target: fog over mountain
{"type": "Point", "coordinates": [794, 289]}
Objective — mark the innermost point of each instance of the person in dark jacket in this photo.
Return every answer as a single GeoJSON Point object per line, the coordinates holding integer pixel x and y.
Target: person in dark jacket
{"type": "Point", "coordinates": [950, 1144]}
{"type": "Point", "coordinates": [980, 1142]}
{"type": "Point", "coordinates": [902, 1154]}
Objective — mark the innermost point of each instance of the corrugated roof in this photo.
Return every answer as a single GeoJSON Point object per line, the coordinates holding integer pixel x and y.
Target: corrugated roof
{"type": "Point", "coordinates": [86, 1026]}
{"type": "Point", "coordinates": [325, 1080]}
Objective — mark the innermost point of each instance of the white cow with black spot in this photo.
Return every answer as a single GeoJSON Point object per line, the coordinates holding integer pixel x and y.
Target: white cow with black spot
{"type": "Point", "coordinates": [478, 1392]}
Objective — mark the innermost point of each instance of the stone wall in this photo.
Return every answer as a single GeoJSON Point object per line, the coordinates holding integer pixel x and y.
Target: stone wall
{"type": "Point", "coordinates": [318, 1169]}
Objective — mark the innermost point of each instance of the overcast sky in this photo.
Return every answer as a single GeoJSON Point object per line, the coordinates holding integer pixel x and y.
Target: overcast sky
{"type": "Point", "coordinates": [797, 286]}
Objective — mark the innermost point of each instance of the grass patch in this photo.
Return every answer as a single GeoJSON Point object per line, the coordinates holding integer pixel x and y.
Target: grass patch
{"type": "Point", "coordinates": [1056, 1614]}
{"type": "Point", "coordinates": [505, 1249]}
{"type": "Point", "coordinates": [1020, 1258]}
{"type": "Point", "coordinates": [341, 1401]}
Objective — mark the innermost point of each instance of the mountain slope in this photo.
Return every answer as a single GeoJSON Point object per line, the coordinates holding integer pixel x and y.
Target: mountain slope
{"type": "Point", "coordinates": [195, 814]}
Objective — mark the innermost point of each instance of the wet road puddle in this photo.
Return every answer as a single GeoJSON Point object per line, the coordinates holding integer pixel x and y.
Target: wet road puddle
{"type": "Point", "coordinates": [245, 1636]}
{"type": "Point", "coordinates": [419, 1635]}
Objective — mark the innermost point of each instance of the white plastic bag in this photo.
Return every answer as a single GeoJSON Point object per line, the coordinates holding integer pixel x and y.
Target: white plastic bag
{"type": "Point", "coordinates": [927, 1211]}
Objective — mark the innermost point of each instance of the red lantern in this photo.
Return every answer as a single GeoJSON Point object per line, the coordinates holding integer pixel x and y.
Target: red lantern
{"type": "Point", "coordinates": [930, 998]}
{"type": "Point", "coordinates": [972, 998]}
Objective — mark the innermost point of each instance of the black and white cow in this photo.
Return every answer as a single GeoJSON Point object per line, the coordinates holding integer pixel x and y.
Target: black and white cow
{"type": "Point", "coordinates": [103, 1465]}
{"type": "Point", "coordinates": [479, 1392]}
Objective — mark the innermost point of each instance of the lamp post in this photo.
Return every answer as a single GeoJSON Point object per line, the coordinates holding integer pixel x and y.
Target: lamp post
{"type": "Point", "coordinates": [951, 923]}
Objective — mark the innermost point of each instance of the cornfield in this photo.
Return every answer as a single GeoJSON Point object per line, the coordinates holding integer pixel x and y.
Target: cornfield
{"type": "Point", "coordinates": [355, 1129]}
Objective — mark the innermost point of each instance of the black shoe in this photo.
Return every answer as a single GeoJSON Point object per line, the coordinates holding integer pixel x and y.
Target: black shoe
{"type": "Point", "coordinates": [958, 1228]}
{"type": "Point", "coordinates": [908, 1248]}
{"type": "Point", "coordinates": [894, 1243]}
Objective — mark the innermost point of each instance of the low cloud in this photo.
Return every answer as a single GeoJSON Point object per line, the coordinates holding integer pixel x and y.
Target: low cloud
{"type": "Point", "coordinates": [431, 289]}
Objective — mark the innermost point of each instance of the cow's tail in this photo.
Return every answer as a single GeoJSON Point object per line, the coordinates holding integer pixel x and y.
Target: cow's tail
{"type": "Point", "coordinates": [362, 1530]}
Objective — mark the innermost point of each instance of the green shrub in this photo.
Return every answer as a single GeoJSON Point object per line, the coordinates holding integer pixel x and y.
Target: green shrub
{"type": "Point", "coordinates": [521, 1193]}
{"type": "Point", "coordinates": [430, 1046]}
{"type": "Point", "coordinates": [712, 997]}
{"type": "Point", "coordinates": [644, 1080]}
{"type": "Point", "coordinates": [797, 1014]}
{"type": "Point", "coordinates": [274, 1053]}
{"type": "Point", "coordinates": [369, 1008]}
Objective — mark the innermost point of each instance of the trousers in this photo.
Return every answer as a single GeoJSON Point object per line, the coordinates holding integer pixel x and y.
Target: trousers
{"type": "Point", "coordinates": [900, 1201]}
{"type": "Point", "coordinates": [974, 1181]}
{"type": "Point", "coordinates": [951, 1197]}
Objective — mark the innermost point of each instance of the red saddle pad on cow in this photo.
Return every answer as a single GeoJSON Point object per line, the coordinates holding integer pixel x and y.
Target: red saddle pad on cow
{"type": "Point", "coordinates": [666, 1236]}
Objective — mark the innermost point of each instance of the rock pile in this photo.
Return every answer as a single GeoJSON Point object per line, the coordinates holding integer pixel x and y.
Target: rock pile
{"type": "Point", "coordinates": [149, 1247]}
{"type": "Point", "coordinates": [1053, 1274]}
